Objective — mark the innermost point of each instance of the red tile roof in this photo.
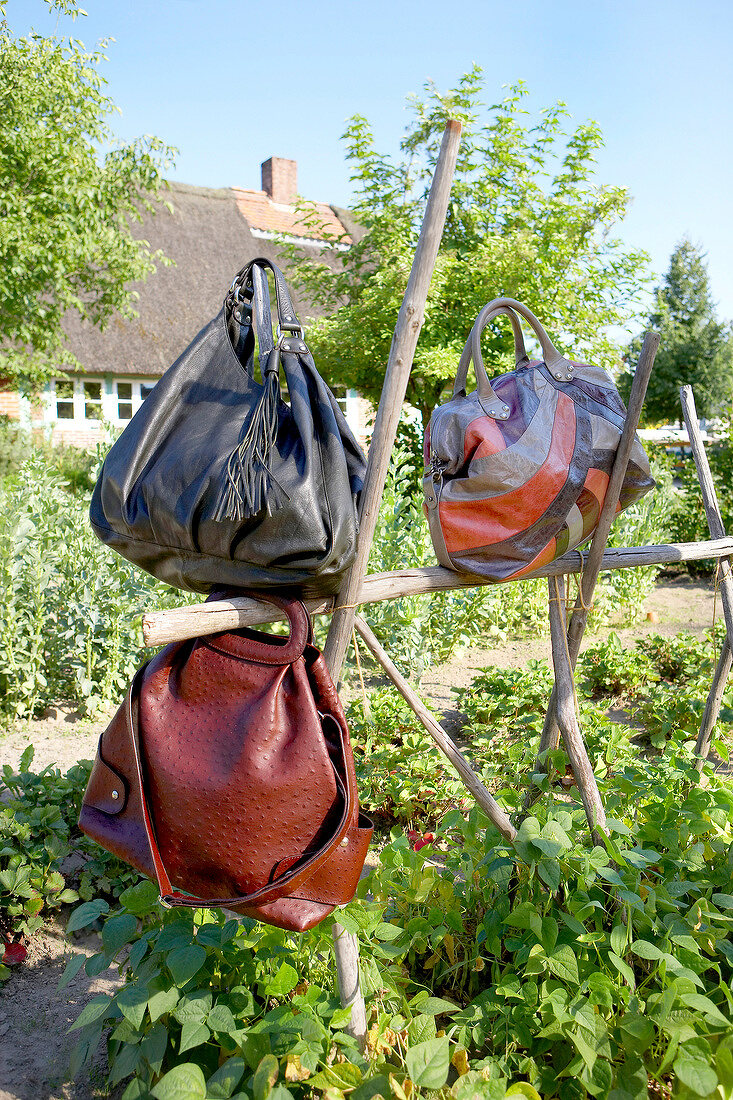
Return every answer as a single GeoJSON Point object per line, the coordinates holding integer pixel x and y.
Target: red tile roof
{"type": "Point", "coordinates": [273, 217]}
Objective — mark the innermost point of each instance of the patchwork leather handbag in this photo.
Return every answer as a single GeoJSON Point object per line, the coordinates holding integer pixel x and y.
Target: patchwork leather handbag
{"type": "Point", "coordinates": [516, 472]}
{"type": "Point", "coordinates": [219, 482]}
{"type": "Point", "coordinates": [227, 776]}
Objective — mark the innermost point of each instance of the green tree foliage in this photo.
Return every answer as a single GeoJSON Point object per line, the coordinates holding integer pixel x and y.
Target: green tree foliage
{"type": "Point", "coordinates": [696, 349]}
{"type": "Point", "coordinates": [68, 195]}
{"type": "Point", "coordinates": [527, 219]}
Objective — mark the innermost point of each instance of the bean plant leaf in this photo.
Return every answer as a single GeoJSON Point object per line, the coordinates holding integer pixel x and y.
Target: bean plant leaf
{"type": "Point", "coordinates": [283, 982]}
{"type": "Point", "coordinates": [623, 968]}
{"type": "Point", "coordinates": [193, 1034]}
{"type": "Point", "coordinates": [695, 1074]}
{"type": "Point", "coordinates": [118, 931]}
{"type": "Point", "coordinates": [265, 1077]}
{"type": "Point", "coordinates": [185, 962]}
{"type": "Point", "coordinates": [73, 967]}
{"type": "Point", "coordinates": [93, 1011]}
{"type": "Point", "coordinates": [183, 1082]}
{"type": "Point", "coordinates": [141, 898]}
{"type": "Point", "coordinates": [562, 962]}
{"type": "Point", "coordinates": [86, 914]}
{"type": "Point", "coordinates": [132, 1002]}
{"type": "Point", "coordinates": [646, 950]}
{"type": "Point", "coordinates": [162, 1002]}
{"type": "Point", "coordinates": [428, 1063]}
{"type": "Point", "coordinates": [222, 1084]}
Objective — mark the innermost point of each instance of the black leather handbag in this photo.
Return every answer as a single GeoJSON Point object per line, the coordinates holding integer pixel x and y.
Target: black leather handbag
{"type": "Point", "coordinates": [217, 481]}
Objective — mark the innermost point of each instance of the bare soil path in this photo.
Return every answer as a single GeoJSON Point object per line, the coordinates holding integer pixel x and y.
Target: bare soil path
{"type": "Point", "coordinates": [34, 1018]}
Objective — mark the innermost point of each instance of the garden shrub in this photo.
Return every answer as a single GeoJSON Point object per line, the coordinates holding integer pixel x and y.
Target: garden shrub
{"type": "Point", "coordinates": [38, 833]}
{"type": "Point", "coordinates": [69, 609]}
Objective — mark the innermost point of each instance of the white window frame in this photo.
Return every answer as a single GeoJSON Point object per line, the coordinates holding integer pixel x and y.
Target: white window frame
{"type": "Point", "coordinates": [136, 400]}
{"type": "Point", "coordinates": [348, 400]}
{"type": "Point", "coordinates": [78, 400]}
{"type": "Point", "coordinates": [110, 401]}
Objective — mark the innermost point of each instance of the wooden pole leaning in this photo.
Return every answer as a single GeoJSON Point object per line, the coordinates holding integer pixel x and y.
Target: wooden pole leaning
{"type": "Point", "coordinates": [717, 530]}
{"type": "Point", "coordinates": [399, 364]}
{"type": "Point", "coordinates": [589, 576]}
{"type": "Point", "coordinates": [567, 718]}
{"type": "Point", "coordinates": [450, 750]}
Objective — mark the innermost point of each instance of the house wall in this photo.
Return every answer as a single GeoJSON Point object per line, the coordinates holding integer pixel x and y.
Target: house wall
{"type": "Point", "coordinates": [10, 404]}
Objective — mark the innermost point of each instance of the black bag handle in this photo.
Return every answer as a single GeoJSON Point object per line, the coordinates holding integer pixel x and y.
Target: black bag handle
{"type": "Point", "coordinates": [250, 284]}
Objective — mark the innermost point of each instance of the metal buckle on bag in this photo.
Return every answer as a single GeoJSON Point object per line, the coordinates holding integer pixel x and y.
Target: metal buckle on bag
{"type": "Point", "coordinates": [163, 899]}
{"type": "Point", "coordinates": [294, 334]}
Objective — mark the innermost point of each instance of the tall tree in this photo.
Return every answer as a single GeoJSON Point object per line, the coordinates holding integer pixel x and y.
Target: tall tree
{"type": "Point", "coordinates": [68, 195]}
{"type": "Point", "coordinates": [527, 219]}
{"type": "Point", "coordinates": [695, 348]}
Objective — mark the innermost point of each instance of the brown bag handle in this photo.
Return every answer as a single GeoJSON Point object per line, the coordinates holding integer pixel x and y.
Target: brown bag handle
{"type": "Point", "coordinates": [520, 354]}
{"type": "Point", "coordinates": [561, 368]}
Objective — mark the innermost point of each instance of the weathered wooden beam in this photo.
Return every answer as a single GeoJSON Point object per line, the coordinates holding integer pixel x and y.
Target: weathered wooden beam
{"type": "Point", "coordinates": [397, 374]}
{"type": "Point", "coordinates": [447, 746]}
{"type": "Point", "coordinates": [565, 714]}
{"type": "Point", "coordinates": [180, 623]}
{"type": "Point", "coordinates": [710, 501]}
{"type": "Point", "coordinates": [717, 530]}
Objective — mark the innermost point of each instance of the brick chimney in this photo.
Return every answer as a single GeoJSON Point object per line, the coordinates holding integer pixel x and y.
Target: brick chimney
{"type": "Point", "coordinates": [280, 180]}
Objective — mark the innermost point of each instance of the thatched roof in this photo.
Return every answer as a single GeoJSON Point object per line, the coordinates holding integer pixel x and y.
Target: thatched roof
{"type": "Point", "coordinates": [209, 239]}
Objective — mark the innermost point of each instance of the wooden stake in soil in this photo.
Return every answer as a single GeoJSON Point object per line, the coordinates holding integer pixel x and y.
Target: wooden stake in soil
{"type": "Point", "coordinates": [717, 530]}
{"type": "Point", "coordinates": [579, 618]}
{"type": "Point", "coordinates": [399, 364]}
{"type": "Point", "coordinates": [566, 716]}
{"type": "Point", "coordinates": [471, 781]}
{"type": "Point", "coordinates": [712, 706]}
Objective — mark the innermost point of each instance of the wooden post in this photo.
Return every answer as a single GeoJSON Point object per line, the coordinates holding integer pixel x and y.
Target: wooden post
{"type": "Point", "coordinates": [579, 618]}
{"type": "Point", "coordinates": [715, 524]}
{"type": "Point", "coordinates": [566, 717]}
{"type": "Point", "coordinates": [712, 706]}
{"type": "Point", "coordinates": [399, 364]}
{"type": "Point", "coordinates": [471, 781]}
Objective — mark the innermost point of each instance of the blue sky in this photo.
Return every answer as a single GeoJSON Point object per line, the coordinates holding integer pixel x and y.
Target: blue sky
{"type": "Point", "coordinates": [232, 84]}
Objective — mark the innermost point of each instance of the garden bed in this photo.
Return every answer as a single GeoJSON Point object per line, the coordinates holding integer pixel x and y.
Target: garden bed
{"type": "Point", "coordinates": [34, 1030]}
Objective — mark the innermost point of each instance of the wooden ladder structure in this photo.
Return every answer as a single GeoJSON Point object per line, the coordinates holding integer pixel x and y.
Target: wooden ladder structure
{"type": "Point", "coordinates": [358, 588]}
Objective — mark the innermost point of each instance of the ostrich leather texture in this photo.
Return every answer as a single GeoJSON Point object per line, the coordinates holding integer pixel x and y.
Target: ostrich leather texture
{"type": "Point", "coordinates": [517, 471]}
{"type": "Point", "coordinates": [227, 776]}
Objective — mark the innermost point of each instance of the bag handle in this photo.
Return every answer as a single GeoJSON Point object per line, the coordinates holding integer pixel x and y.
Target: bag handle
{"type": "Point", "coordinates": [520, 354]}
{"type": "Point", "coordinates": [285, 651]}
{"type": "Point", "coordinates": [248, 285]}
{"type": "Point", "coordinates": [561, 368]}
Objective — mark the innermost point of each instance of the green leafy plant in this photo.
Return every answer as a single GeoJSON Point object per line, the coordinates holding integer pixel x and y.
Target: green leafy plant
{"type": "Point", "coordinates": [38, 833]}
{"type": "Point", "coordinates": [69, 609]}
{"type": "Point", "coordinates": [611, 668]}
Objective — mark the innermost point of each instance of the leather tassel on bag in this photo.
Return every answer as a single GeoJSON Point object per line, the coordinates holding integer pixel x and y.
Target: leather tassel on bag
{"type": "Point", "coordinates": [249, 487]}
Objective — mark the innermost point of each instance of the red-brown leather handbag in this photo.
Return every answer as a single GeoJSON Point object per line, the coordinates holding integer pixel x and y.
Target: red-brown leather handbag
{"type": "Point", "coordinates": [227, 776]}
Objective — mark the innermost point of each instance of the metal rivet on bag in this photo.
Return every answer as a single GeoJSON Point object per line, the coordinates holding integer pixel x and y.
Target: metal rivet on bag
{"type": "Point", "coordinates": [115, 794]}
{"type": "Point", "coordinates": [286, 347]}
{"type": "Point", "coordinates": [345, 842]}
